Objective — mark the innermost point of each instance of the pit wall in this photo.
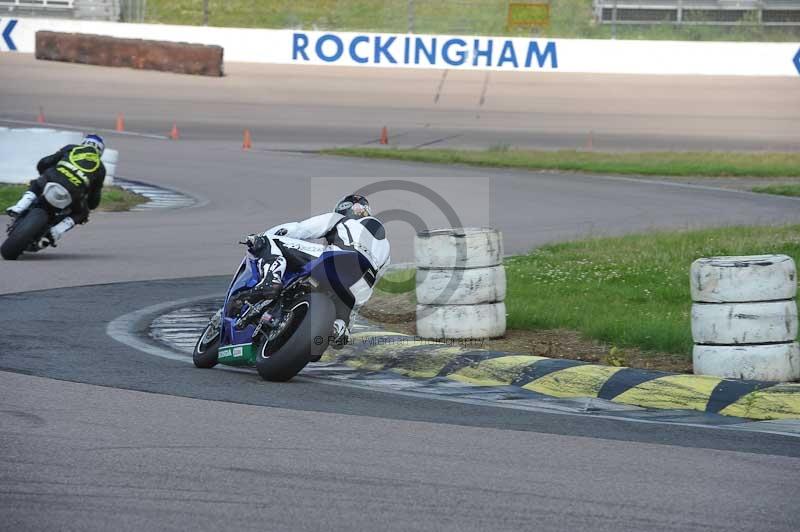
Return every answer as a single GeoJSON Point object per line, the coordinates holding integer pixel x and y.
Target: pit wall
{"type": "Point", "coordinates": [441, 51]}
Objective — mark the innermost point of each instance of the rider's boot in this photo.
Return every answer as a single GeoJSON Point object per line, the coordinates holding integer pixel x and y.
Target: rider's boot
{"type": "Point", "coordinates": [57, 231]}
{"type": "Point", "coordinates": [340, 337]}
{"type": "Point", "coordinates": [22, 205]}
{"type": "Point", "coordinates": [341, 334]}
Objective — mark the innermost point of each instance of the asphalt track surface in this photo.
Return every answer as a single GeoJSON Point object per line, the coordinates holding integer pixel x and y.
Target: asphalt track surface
{"type": "Point", "coordinates": [96, 435]}
{"type": "Point", "coordinates": [297, 106]}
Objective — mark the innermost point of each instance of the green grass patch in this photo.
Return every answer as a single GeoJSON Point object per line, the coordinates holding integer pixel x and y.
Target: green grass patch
{"type": "Point", "coordinates": [781, 190]}
{"type": "Point", "coordinates": [631, 291]}
{"type": "Point", "coordinates": [708, 164]}
{"type": "Point", "coordinates": [569, 18]}
{"type": "Point", "coordinates": [10, 194]}
{"type": "Point", "coordinates": [398, 282]}
{"type": "Point", "coordinates": [626, 292]}
{"type": "Point", "coordinates": [114, 198]}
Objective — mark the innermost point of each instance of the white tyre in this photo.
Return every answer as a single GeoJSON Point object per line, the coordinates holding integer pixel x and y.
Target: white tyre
{"type": "Point", "coordinates": [744, 323]}
{"type": "Point", "coordinates": [461, 287]}
{"type": "Point", "coordinates": [461, 321]}
{"type": "Point", "coordinates": [459, 248]}
{"type": "Point", "coordinates": [747, 278]}
{"type": "Point", "coordinates": [774, 362]}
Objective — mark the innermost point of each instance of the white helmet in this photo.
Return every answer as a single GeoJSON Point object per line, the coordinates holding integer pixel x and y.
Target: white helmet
{"type": "Point", "coordinates": [94, 141]}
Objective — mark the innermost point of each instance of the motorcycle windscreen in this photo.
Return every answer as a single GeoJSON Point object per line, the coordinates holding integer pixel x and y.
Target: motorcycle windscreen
{"type": "Point", "coordinates": [246, 277]}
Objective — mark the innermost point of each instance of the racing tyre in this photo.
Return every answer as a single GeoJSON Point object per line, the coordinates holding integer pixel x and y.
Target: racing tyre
{"type": "Point", "coordinates": [306, 339]}
{"type": "Point", "coordinates": [30, 228]}
{"type": "Point", "coordinates": [206, 350]}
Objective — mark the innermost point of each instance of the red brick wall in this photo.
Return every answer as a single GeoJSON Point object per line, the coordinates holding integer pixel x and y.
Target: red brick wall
{"type": "Point", "coordinates": [183, 58]}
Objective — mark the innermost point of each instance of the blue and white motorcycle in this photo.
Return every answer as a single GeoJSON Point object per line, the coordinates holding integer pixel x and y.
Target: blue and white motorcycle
{"type": "Point", "coordinates": [282, 335]}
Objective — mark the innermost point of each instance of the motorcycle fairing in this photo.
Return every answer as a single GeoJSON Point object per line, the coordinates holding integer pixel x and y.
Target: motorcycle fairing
{"type": "Point", "coordinates": [334, 270]}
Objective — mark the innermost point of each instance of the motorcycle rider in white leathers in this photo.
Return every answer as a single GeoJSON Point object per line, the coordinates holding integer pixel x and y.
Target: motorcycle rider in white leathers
{"type": "Point", "coordinates": [351, 227]}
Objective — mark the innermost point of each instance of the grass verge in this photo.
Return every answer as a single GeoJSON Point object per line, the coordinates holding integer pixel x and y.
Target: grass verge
{"type": "Point", "coordinates": [568, 18]}
{"type": "Point", "coordinates": [628, 291]}
{"type": "Point", "coordinates": [114, 199]}
{"type": "Point", "coordinates": [679, 164]}
{"type": "Point", "coordinates": [619, 301]}
{"type": "Point", "coordinates": [780, 190]}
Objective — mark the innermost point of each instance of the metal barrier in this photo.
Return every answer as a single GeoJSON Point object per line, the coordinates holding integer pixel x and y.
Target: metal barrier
{"type": "Point", "coordinates": [44, 4]}
{"type": "Point", "coordinates": [97, 9]}
{"type": "Point", "coordinates": [50, 8]}
{"type": "Point", "coordinates": [79, 9]}
{"type": "Point", "coordinates": [699, 12]}
{"type": "Point", "coordinates": [133, 10]}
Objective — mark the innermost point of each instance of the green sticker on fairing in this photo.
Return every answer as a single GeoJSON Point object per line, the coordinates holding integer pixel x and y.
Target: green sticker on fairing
{"type": "Point", "coordinates": [237, 355]}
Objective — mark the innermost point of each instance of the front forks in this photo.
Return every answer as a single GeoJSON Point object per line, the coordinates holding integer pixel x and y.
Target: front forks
{"type": "Point", "coordinates": [251, 312]}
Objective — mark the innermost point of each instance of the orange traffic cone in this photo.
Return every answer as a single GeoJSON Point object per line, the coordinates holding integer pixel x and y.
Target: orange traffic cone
{"type": "Point", "coordinates": [247, 142]}
{"type": "Point", "coordinates": [120, 122]}
{"type": "Point", "coordinates": [174, 134]}
{"type": "Point", "coordinates": [384, 136]}
{"type": "Point", "coordinates": [40, 119]}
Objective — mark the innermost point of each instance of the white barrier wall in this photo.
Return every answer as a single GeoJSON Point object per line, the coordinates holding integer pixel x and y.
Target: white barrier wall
{"type": "Point", "coordinates": [21, 150]}
{"type": "Point", "coordinates": [442, 51]}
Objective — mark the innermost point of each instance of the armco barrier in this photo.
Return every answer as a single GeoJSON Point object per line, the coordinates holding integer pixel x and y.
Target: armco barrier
{"type": "Point", "coordinates": [386, 50]}
{"type": "Point", "coordinates": [744, 317]}
{"type": "Point", "coordinates": [182, 58]}
{"type": "Point", "coordinates": [21, 149]}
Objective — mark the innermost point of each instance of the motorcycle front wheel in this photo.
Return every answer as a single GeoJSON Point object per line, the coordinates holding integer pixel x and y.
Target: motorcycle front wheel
{"type": "Point", "coordinates": [29, 229]}
{"type": "Point", "coordinates": [305, 339]}
{"type": "Point", "coordinates": [206, 350]}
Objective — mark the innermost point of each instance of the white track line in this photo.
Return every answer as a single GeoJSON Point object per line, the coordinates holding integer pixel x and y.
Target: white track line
{"type": "Point", "coordinates": [84, 128]}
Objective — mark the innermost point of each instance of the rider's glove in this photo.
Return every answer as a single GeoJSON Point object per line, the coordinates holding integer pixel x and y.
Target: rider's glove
{"type": "Point", "coordinates": [256, 242]}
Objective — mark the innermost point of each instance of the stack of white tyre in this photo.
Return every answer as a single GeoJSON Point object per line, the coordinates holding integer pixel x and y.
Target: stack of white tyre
{"type": "Point", "coordinates": [744, 317]}
{"type": "Point", "coordinates": [461, 283]}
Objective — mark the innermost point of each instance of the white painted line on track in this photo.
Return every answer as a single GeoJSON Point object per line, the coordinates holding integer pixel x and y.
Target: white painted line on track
{"type": "Point", "coordinates": [159, 197]}
{"type": "Point", "coordinates": [83, 128]}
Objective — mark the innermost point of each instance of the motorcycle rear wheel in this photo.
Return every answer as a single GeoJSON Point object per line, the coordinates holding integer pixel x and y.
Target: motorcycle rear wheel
{"type": "Point", "coordinates": [29, 229]}
{"type": "Point", "coordinates": [206, 350]}
{"type": "Point", "coordinates": [307, 339]}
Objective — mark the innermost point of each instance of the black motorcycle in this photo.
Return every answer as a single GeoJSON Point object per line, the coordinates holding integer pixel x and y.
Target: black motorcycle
{"type": "Point", "coordinates": [30, 231]}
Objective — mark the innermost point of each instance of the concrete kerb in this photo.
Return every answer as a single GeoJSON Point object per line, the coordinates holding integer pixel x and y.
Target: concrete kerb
{"type": "Point", "coordinates": [425, 359]}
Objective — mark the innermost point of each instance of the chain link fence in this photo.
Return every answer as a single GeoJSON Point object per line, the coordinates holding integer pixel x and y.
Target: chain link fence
{"type": "Point", "coordinates": [133, 10]}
